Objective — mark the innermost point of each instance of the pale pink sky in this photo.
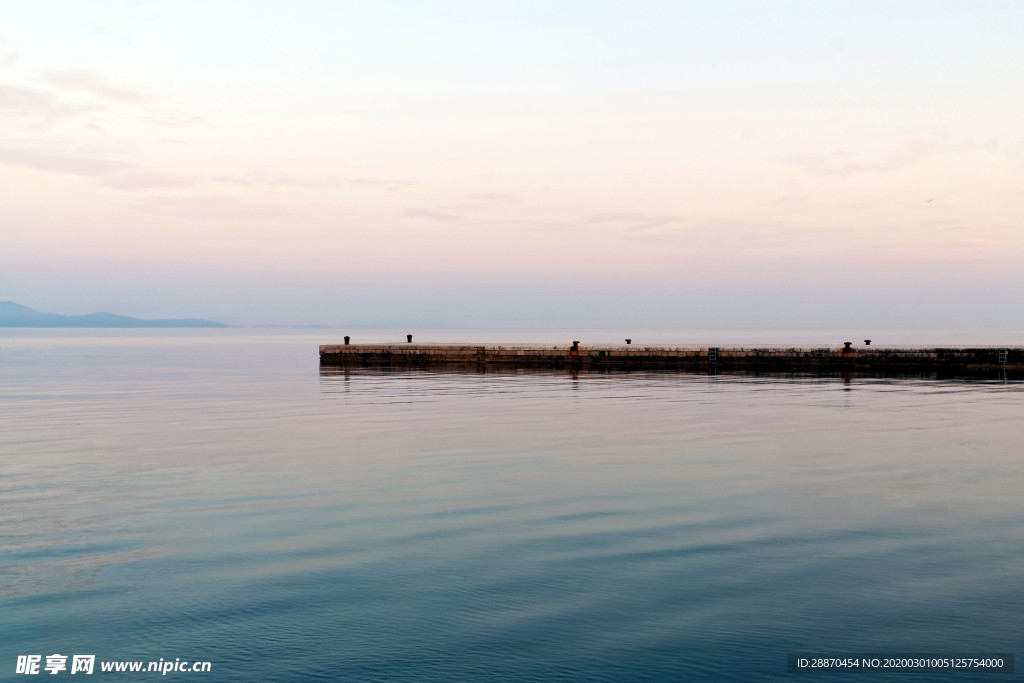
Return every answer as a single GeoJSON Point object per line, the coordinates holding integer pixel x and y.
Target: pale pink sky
{"type": "Point", "coordinates": [700, 164]}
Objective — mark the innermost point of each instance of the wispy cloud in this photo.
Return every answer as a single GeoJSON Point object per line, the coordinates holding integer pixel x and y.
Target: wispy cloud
{"type": "Point", "coordinates": [172, 118]}
{"type": "Point", "coordinates": [8, 53]}
{"type": "Point", "coordinates": [431, 214]}
{"type": "Point", "coordinates": [491, 196]}
{"type": "Point", "coordinates": [110, 172]}
{"type": "Point", "coordinates": [261, 177]}
{"type": "Point", "coordinates": [723, 236]}
{"type": "Point", "coordinates": [19, 102]}
{"type": "Point", "coordinates": [138, 178]}
{"type": "Point", "coordinates": [60, 99]}
{"type": "Point", "coordinates": [86, 80]}
{"type": "Point", "coordinates": [41, 161]}
{"type": "Point", "coordinates": [1014, 151]}
{"type": "Point", "coordinates": [841, 163]}
{"type": "Point", "coordinates": [532, 225]}
{"type": "Point", "coordinates": [608, 223]}
{"type": "Point", "coordinates": [631, 221]}
{"type": "Point", "coordinates": [388, 185]}
{"type": "Point", "coordinates": [215, 207]}
{"type": "Point", "coordinates": [126, 175]}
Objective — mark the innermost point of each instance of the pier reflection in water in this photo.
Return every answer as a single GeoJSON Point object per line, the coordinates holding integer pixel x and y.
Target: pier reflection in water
{"type": "Point", "coordinates": [981, 377]}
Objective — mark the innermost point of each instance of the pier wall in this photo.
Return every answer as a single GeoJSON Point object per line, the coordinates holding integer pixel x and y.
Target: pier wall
{"type": "Point", "coordinates": [637, 357]}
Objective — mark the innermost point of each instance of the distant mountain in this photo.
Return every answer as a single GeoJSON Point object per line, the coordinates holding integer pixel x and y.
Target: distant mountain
{"type": "Point", "coordinates": [16, 315]}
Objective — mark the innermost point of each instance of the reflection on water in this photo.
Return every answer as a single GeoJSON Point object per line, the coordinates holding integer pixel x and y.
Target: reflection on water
{"type": "Point", "coordinates": [187, 496]}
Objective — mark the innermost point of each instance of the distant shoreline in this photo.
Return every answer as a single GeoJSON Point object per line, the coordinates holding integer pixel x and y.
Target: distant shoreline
{"type": "Point", "coordinates": [16, 315]}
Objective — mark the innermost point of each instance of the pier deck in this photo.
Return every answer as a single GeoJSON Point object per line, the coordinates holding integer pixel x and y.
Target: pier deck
{"type": "Point", "coordinates": [683, 357]}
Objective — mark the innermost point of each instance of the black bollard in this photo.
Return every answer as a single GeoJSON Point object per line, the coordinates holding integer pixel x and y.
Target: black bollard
{"type": "Point", "coordinates": [629, 341]}
{"type": "Point", "coordinates": [867, 342]}
{"type": "Point", "coordinates": [347, 339]}
{"type": "Point", "coordinates": [575, 350]}
{"type": "Point", "coordinates": [408, 338]}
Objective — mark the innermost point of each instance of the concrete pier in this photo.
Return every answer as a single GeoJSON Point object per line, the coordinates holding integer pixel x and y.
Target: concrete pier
{"type": "Point", "coordinates": [686, 357]}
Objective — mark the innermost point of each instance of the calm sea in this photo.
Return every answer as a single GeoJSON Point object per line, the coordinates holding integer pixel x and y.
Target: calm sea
{"type": "Point", "coordinates": [214, 496]}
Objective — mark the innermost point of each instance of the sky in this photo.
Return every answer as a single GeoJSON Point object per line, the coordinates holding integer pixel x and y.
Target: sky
{"type": "Point", "coordinates": [485, 163]}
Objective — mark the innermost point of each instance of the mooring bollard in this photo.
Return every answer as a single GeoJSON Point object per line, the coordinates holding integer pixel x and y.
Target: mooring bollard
{"type": "Point", "coordinates": [629, 341]}
{"type": "Point", "coordinates": [847, 349]}
{"type": "Point", "coordinates": [408, 339]}
{"type": "Point", "coordinates": [867, 342]}
{"type": "Point", "coordinates": [575, 350]}
{"type": "Point", "coordinates": [347, 339]}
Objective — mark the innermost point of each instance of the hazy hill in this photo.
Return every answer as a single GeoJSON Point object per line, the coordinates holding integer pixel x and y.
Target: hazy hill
{"type": "Point", "coordinates": [16, 315]}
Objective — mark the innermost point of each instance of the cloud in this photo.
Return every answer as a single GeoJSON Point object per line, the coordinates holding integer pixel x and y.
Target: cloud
{"type": "Point", "coordinates": [172, 118]}
{"type": "Point", "coordinates": [491, 196]}
{"type": "Point", "coordinates": [630, 220]}
{"type": "Point", "coordinates": [1014, 152]}
{"type": "Point", "coordinates": [214, 207]}
{"type": "Point", "coordinates": [8, 54]}
{"type": "Point", "coordinates": [261, 177]}
{"type": "Point", "coordinates": [110, 172]}
{"type": "Point", "coordinates": [433, 215]}
{"type": "Point", "coordinates": [768, 238]}
{"type": "Point", "coordinates": [16, 101]}
{"type": "Point", "coordinates": [532, 225]}
{"type": "Point", "coordinates": [611, 223]}
{"type": "Point", "coordinates": [81, 166]}
{"type": "Point", "coordinates": [23, 102]}
{"type": "Point", "coordinates": [138, 178]}
{"type": "Point", "coordinates": [382, 184]}
{"type": "Point", "coordinates": [842, 163]}
{"type": "Point", "coordinates": [125, 175]}
{"type": "Point", "coordinates": [93, 83]}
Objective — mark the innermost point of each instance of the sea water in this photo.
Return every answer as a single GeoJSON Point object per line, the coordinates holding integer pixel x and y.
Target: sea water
{"type": "Point", "coordinates": [215, 496]}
